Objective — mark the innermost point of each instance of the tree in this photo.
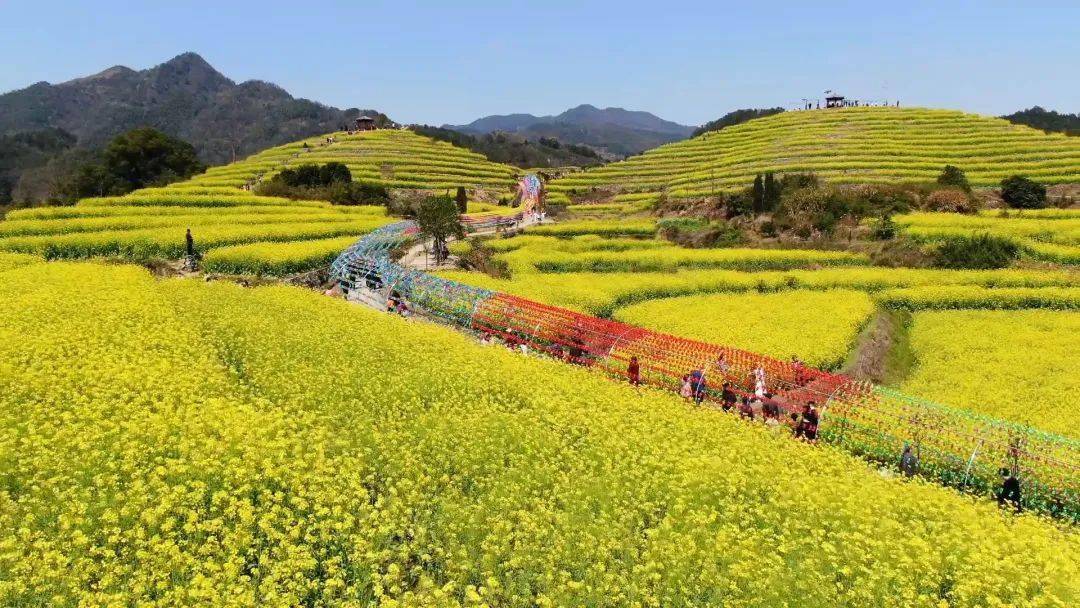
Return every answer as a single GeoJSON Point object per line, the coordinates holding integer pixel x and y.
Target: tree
{"type": "Point", "coordinates": [438, 219]}
{"type": "Point", "coordinates": [954, 176]}
{"type": "Point", "coordinates": [334, 173]}
{"type": "Point", "coordinates": [462, 200]}
{"type": "Point", "coordinates": [771, 192]}
{"type": "Point", "coordinates": [1021, 193]}
{"type": "Point", "coordinates": [147, 157]}
{"type": "Point", "coordinates": [136, 159]}
{"type": "Point", "coordinates": [757, 194]}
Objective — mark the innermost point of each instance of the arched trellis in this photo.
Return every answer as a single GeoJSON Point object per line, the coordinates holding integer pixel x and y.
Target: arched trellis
{"type": "Point", "coordinates": [957, 447]}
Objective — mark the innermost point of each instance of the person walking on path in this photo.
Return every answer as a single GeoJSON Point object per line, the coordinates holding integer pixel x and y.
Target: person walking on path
{"type": "Point", "coordinates": [1010, 490]}
{"type": "Point", "coordinates": [808, 425]}
{"type": "Point", "coordinates": [633, 371]}
{"type": "Point", "coordinates": [728, 397]}
{"type": "Point", "coordinates": [697, 378]}
{"type": "Point", "coordinates": [686, 391]}
{"type": "Point", "coordinates": [191, 257]}
{"type": "Point", "coordinates": [909, 462]}
{"type": "Point", "coordinates": [746, 410]}
{"type": "Point", "coordinates": [759, 380]}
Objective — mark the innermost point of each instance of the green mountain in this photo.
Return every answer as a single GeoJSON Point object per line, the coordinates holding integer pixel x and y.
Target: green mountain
{"type": "Point", "coordinates": [184, 97]}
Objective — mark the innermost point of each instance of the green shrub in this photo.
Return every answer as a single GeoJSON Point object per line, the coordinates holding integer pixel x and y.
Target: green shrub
{"type": "Point", "coordinates": [953, 176]}
{"type": "Point", "coordinates": [1021, 193]}
{"type": "Point", "coordinates": [981, 251]}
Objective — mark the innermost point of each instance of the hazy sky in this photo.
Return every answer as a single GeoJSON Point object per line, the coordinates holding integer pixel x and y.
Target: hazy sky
{"type": "Point", "coordinates": [453, 61]}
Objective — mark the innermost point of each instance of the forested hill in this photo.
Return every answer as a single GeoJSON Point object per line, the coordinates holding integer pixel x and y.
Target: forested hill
{"type": "Point", "coordinates": [613, 131]}
{"type": "Point", "coordinates": [184, 97]}
{"type": "Point", "coordinates": [1047, 120]}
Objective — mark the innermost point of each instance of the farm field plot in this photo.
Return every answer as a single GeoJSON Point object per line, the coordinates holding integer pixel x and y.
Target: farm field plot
{"type": "Point", "coordinates": [1018, 365]}
{"type": "Point", "coordinates": [850, 145]}
{"type": "Point", "coordinates": [276, 259]}
{"type": "Point", "coordinates": [391, 158]}
{"type": "Point", "coordinates": [818, 326]}
{"type": "Point", "coordinates": [151, 224]}
{"type": "Point", "coordinates": [231, 474]}
{"type": "Point", "coordinates": [1053, 236]}
{"type": "Point", "coordinates": [591, 253]}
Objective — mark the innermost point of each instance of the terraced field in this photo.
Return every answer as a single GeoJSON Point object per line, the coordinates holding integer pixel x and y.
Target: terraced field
{"type": "Point", "coordinates": [391, 158]}
{"type": "Point", "coordinates": [147, 225]}
{"type": "Point", "coordinates": [1046, 234]}
{"type": "Point", "coordinates": [241, 232]}
{"type": "Point", "coordinates": [803, 302]}
{"type": "Point", "coordinates": [850, 145]}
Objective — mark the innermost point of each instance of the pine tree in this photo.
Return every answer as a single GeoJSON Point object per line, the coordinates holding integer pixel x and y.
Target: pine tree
{"type": "Point", "coordinates": [758, 195]}
{"type": "Point", "coordinates": [771, 192]}
{"type": "Point", "coordinates": [462, 200]}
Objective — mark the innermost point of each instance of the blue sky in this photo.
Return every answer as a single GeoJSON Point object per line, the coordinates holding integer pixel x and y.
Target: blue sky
{"type": "Point", "coordinates": [451, 62]}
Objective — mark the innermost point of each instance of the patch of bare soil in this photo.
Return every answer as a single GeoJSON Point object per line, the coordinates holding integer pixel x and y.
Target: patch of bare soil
{"type": "Point", "coordinates": [881, 354]}
{"type": "Point", "coordinates": [592, 196]}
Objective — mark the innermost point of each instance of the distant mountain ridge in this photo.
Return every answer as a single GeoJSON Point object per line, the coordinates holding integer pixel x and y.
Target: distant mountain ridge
{"type": "Point", "coordinates": [184, 97]}
{"type": "Point", "coordinates": [616, 131]}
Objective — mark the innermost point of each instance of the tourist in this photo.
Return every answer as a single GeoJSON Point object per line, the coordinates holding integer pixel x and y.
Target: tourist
{"type": "Point", "coordinates": [771, 416]}
{"type": "Point", "coordinates": [633, 371]}
{"type": "Point", "coordinates": [909, 462]}
{"type": "Point", "coordinates": [770, 409]}
{"type": "Point", "coordinates": [727, 397]}
{"type": "Point", "coordinates": [757, 404]}
{"type": "Point", "coordinates": [1010, 490]}
{"type": "Point", "coordinates": [697, 378]}
{"type": "Point", "coordinates": [746, 410]}
{"type": "Point", "coordinates": [759, 380]}
{"type": "Point", "coordinates": [189, 243]}
{"type": "Point", "coordinates": [686, 391]}
{"type": "Point", "coordinates": [722, 365]}
{"type": "Point", "coordinates": [809, 423]}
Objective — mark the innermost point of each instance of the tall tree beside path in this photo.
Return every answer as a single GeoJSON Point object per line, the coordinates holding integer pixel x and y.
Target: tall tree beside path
{"type": "Point", "coordinates": [439, 219]}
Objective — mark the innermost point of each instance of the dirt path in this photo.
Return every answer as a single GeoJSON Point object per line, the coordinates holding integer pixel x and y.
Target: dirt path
{"type": "Point", "coordinates": [417, 257]}
{"type": "Point", "coordinates": [882, 354]}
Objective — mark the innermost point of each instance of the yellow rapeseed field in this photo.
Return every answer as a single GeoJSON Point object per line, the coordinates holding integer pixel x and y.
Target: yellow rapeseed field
{"type": "Point", "coordinates": [818, 326]}
{"type": "Point", "coordinates": [1019, 364]}
{"type": "Point", "coordinates": [180, 443]}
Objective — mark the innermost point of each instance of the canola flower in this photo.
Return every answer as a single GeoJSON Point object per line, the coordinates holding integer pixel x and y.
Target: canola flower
{"type": "Point", "coordinates": [276, 259]}
{"type": "Point", "coordinates": [392, 158]}
{"type": "Point", "coordinates": [15, 260]}
{"type": "Point", "coordinates": [147, 243]}
{"type": "Point", "coordinates": [1044, 234]}
{"type": "Point", "coordinates": [182, 443]}
{"type": "Point", "coordinates": [977, 297]}
{"type": "Point", "coordinates": [818, 326]}
{"type": "Point", "coordinates": [1019, 365]}
{"type": "Point", "coordinates": [602, 293]}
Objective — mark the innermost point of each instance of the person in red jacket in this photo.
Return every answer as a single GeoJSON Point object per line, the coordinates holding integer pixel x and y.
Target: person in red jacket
{"type": "Point", "coordinates": [633, 371]}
